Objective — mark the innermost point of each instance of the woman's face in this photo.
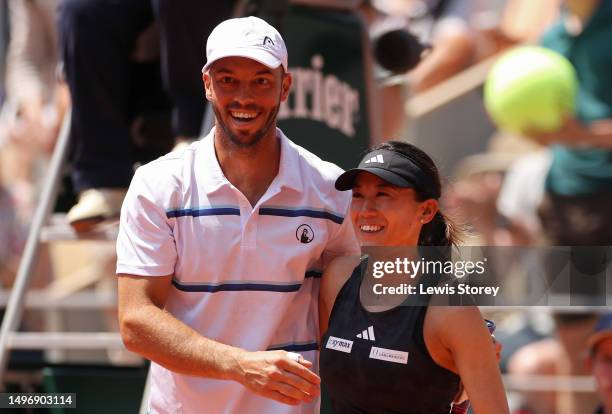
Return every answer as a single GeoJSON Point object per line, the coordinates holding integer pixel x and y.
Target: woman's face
{"type": "Point", "coordinates": [386, 215]}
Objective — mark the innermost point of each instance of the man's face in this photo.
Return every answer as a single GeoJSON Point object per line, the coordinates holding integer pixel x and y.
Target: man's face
{"type": "Point", "coordinates": [601, 364]}
{"type": "Point", "coordinates": [246, 97]}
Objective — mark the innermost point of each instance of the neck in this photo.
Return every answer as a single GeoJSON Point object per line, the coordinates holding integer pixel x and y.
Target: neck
{"type": "Point", "coordinates": [249, 169]}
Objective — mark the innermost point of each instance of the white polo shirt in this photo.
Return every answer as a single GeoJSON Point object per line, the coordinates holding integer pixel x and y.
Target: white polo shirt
{"type": "Point", "coordinates": [244, 276]}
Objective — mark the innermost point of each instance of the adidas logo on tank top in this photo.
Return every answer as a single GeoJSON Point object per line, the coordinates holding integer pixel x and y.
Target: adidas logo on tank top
{"type": "Point", "coordinates": [367, 334]}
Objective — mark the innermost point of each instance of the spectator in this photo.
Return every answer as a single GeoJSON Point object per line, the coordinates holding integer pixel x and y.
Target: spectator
{"type": "Point", "coordinates": [560, 356]}
{"type": "Point", "coordinates": [11, 238]}
{"type": "Point", "coordinates": [35, 101]}
{"type": "Point", "coordinates": [521, 194]}
{"type": "Point", "coordinates": [29, 123]}
{"type": "Point", "coordinates": [481, 180]}
{"type": "Point", "coordinates": [577, 205]}
{"type": "Point", "coordinates": [97, 39]}
{"type": "Point", "coordinates": [445, 25]}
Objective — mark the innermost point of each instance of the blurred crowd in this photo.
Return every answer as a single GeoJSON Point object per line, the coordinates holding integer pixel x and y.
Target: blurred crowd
{"type": "Point", "coordinates": [129, 72]}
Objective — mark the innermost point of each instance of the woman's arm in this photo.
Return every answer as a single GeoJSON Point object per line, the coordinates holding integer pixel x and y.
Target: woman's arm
{"type": "Point", "coordinates": [459, 340]}
{"type": "Point", "coordinates": [334, 277]}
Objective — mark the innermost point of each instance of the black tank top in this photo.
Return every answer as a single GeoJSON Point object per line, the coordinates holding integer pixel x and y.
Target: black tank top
{"type": "Point", "coordinates": [388, 368]}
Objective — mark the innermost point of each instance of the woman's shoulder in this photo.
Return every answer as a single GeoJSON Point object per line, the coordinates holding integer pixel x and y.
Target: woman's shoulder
{"type": "Point", "coordinates": [443, 315]}
{"type": "Point", "coordinates": [342, 263]}
{"type": "Point", "coordinates": [447, 326]}
{"type": "Point", "coordinates": [335, 275]}
{"type": "Point", "coordinates": [337, 272]}
{"type": "Point", "coordinates": [452, 323]}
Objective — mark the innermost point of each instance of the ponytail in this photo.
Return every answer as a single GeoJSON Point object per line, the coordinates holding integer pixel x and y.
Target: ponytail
{"type": "Point", "coordinates": [440, 231]}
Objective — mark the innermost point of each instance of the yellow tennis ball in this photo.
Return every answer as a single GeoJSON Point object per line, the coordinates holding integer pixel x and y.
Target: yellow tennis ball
{"type": "Point", "coordinates": [530, 88]}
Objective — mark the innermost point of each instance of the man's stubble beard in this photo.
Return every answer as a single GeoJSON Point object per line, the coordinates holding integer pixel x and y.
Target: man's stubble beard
{"type": "Point", "coordinates": [256, 137]}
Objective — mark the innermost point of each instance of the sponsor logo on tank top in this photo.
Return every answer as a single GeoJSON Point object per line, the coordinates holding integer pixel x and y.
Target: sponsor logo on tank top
{"type": "Point", "coordinates": [389, 355]}
{"type": "Point", "coordinates": [367, 334]}
{"type": "Point", "coordinates": [339, 344]}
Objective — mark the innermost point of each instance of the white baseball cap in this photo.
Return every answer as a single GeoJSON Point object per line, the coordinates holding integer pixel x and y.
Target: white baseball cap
{"type": "Point", "coordinates": [249, 37]}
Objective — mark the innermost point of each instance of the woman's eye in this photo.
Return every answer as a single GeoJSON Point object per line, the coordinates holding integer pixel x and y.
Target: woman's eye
{"type": "Point", "coordinates": [357, 195]}
{"type": "Point", "coordinates": [381, 194]}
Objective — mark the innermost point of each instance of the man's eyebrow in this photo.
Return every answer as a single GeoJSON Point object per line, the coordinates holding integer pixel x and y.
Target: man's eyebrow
{"type": "Point", "coordinates": [224, 70]}
{"type": "Point", "coordinates": [264, 72]}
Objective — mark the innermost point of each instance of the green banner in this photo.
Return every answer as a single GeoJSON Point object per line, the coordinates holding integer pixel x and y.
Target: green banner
{"type": "Point", "coordinates": [327, 110]}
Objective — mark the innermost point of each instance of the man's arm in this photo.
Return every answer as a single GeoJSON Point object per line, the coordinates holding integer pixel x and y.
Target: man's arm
{"type": "Point", "coordinates": [575, 134]}
{"type": "Point", "coordinates": [452, 52]}
{"type": "Point", "coordinates": [149, 330]}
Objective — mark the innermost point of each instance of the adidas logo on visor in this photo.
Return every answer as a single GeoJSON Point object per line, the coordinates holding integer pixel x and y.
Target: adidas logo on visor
{"type": "Point", "coordinates": [376, 159]}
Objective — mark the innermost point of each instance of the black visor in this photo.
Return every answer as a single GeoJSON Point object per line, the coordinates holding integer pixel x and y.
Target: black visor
{"type": "Point", "coordinates": [394, 168]}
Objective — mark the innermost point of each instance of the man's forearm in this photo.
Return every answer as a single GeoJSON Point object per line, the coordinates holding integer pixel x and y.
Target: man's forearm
{"type": "Point", "coordinates": [601, 134]}
{"type": "Point", "coordinates": [574, 133]}
{"type": "Point", "coordinates": [450, 55]}
{"type": "Point", "coordinates": [160, 337]}
{"type": "Point", "coordinates": [157, 335]}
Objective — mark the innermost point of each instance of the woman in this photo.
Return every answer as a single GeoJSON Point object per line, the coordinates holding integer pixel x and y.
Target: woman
{"type": "Point", "coordinates": [400, 359]}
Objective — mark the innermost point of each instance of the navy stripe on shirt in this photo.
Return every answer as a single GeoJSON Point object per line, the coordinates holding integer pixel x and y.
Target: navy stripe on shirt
{"type": "Point", "coordinates": [247, 286]}
{"type": "Point", "coordinates": [263, 211]}
{"type": "Point", "coordinates": [304, 212]}
{"type": "Point", "coordinates": [197, 212]}
{"type": "Point", "coordinates": [236, 287]}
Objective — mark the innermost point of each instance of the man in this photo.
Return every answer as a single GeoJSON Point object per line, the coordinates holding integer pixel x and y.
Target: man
{"type": "Point", "coordinates": [445, 24]}
{"type": "Point", "coordinates": [600, 362]}
{"type": "Point", "coordinates": [578, 199]}
{"type": "Point", "coordinates": [221, 244]}
{"type": "Point", "coordinates": [562, 355]}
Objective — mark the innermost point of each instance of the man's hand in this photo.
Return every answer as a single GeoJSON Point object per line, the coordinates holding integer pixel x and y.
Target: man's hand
{"type": "Point", "coordinates": [276, 375]}
{"type": "Point", "coordinates": [571, 133]}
